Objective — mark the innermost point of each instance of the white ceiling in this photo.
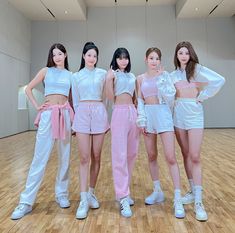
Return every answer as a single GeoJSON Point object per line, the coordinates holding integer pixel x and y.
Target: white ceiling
{"type": "Point", "coordinates": [76, 9]}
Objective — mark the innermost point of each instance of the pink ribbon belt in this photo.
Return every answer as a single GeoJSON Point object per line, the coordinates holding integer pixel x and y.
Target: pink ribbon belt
{"type": "Point", "coordinates": [57, 119]}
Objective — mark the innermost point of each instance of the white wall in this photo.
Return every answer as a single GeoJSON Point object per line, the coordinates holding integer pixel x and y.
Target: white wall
{"type": "Point", "coordinates": [213, 39]}
{"type": "Point", "coordinates": [15, 45]}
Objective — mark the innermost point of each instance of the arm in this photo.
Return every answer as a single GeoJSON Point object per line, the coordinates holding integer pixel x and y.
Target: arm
{"type": "Point", "coordinates": [75, 94]}
{"type": "Point", "coordinates": [214, 82]}
{"type": "Point", "coordinates": [141, 119]}
{"type": "Point", "coordinates": [109, 84]}
{"type": "Point", "coordinates": [37, 79]}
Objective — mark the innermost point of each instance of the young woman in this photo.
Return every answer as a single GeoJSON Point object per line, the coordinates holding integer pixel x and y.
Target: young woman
{"type": "Point", "coordinates": [194, 83]}
{"type": "Point", "coordinates": [155, 117]}
{"type": "Point", "coordinates": [120, 88]}
{"type": "Point", "coordinates": [54, 123]}
{"type": "Point", "coordinates": [90, 123]}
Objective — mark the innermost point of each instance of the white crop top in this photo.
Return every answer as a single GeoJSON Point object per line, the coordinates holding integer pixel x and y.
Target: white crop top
{"type": "Point", "coordinates": [124, 83]}
{"type": "Point", "coordinates": [213, 81]}
{"type": "Point", "coordinates": [57, 81]}
{"type": "Point", "coordinates": [88, 85]}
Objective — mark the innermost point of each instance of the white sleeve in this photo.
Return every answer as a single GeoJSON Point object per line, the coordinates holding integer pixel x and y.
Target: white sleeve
{"type": "Point", "coordinates": [214, 82]}
{"type": "Point", "coordinates": [166, 89]}
{"type": "Point", "coordinates": [75, 94]}
{"type": "Point", "coordinates": [141, 118]}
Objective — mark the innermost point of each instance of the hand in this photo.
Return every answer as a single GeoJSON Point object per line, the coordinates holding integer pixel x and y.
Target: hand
{"type": "Point", "coordinates": [44, 105]}
{"type": "Point", "coordinates": [110, 74]}
{"type": "Point", "coordinates": [160, 69]}
{"type": "Point", "coordinates": [143, 131]}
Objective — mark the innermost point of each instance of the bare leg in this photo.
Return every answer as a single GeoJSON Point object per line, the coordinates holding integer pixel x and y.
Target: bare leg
{"type": "Point", "coordinates": [195, 137]}
{"type": "Point", "coordinates": [151, 148]}
{"type": "Point", "coordinates": [168, 142]}
{"type": "Point", "coordinates": [96, 148]}
{"type": "Point", "coordinates": [85, 148]}
{"type": "Point", "coordinates": [182, 138]}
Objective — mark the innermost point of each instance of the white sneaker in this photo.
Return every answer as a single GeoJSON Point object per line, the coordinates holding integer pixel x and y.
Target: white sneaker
{"type": "Point", "coordinates": [82, 209]}
{"type": "Point", "coordinates": [179, 209]}
{"type": "Point", "coordinates": [155, 197]}
{"type": "Point", "coordinates": [20, 211]}
{"type": "Point", "coordinates": [63, 201]}
{"type": "Point", "coordinates": [130, 200]}
{"type": "Point", "coordinates": [201, 214]}
{"type": "Point", "coordinates": [188, 198]}
{"type": "Point", "coordinates": [125, 208]}
{"type": "Point", "coordinates": [92, 201]}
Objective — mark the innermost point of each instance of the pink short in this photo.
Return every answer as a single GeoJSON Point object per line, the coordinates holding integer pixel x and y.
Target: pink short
{"type": "Point", "coordinates": [90, 118]}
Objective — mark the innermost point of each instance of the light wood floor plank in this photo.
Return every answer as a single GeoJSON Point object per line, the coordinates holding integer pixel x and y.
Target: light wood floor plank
{"type": "Point", "coordinates": [218, 157]}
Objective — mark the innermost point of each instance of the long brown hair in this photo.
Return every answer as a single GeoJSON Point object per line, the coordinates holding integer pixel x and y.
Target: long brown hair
{"type": "Point", "coordinates": [50, 62]}
{"type": "Point", "coordinates": [193, 59]}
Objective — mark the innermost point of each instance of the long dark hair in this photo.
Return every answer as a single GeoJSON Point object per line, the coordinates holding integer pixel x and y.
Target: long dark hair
{"type": "Point", "coordinates": [88, 46]}
{"type": "Point", "coordinates": [50, 62]}
{"type": "Point", "coordinates": [193, 59]}
{"type": "Point", "coordinates": [121, 53]}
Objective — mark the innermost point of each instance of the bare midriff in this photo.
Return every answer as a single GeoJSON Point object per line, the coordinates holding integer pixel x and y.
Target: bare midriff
{"type": "Point", "coordinates": [191, 92]}
{"type": "Point", "coordinates": [150, 100]}
{"type": "Point", "coordinates": [90, 101]}
{"type": "Point", "coordinates": [124, 98]}
{"type": "Point", "coordinates": [56, 99]}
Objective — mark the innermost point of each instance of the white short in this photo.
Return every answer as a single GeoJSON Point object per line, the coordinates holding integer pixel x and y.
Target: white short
{"type": "Point", "coordinates": [188, 114]}
{"type": "Point", "coordinates": [159, 118]}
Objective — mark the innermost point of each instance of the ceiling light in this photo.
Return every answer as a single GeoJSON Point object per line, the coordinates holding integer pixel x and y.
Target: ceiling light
{"type": "Point", "coordinates": [66, 12]}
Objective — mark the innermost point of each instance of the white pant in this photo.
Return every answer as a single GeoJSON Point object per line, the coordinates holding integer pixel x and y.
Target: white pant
{"type": "Point", "coordinates": [43, 147]}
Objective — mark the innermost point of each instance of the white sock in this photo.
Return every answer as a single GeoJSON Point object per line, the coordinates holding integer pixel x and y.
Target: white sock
{"type": "Point", "coordinates": [83, 196]}
{"type": "Point", "coordinates": [191, 185]}
{"type": "Point", "coordinates": [157, 185]}
{"type": "Point", "coordinates": [177, 194]}
{"type": "Point", "coordinates": [198, 193]}
{"type": "Point", "coordinates": [91, 190]}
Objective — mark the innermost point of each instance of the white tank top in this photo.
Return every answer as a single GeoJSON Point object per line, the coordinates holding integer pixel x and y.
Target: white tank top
{"type": "Point", "coordinates": [57, 81]}
{"type": "Point", "coordinates": [124, 83]}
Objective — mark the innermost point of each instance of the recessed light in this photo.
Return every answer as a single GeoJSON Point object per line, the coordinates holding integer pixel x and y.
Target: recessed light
{"type": "Point", "coordinates": [196, 9]}
{"type": "Point", "coordinates": [66, 12]}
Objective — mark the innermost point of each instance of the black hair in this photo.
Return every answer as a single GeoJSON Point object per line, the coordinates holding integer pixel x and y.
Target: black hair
{"type": "Point", "coordinates": [121, 53]}
{"type": "Point", "coordinates": [50, 61]}
{"type": "Point", "coordinates": [88, 46]}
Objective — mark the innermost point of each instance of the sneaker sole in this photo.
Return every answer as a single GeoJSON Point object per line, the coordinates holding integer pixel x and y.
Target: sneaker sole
{"type": "Point", "coordinates": [127, 216]}
{"type": "Point", "coordinates": [63, 207]}
{"type": "Point", "coordinates": [180, 216]}
{"type": "Point", "coordinates": [94, 207]}
{"type": "Point", "coordinates": [12, 218]}
{"type": "Point", "coordinates": [202, 219]}
{"type": "Point", "coordinates": [155, 202]}
{"type": "Point", "coordinates": [81, 217]}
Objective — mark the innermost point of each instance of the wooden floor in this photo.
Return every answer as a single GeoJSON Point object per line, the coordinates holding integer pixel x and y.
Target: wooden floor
{"type": "Point", "coordinates": [218, 156]}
